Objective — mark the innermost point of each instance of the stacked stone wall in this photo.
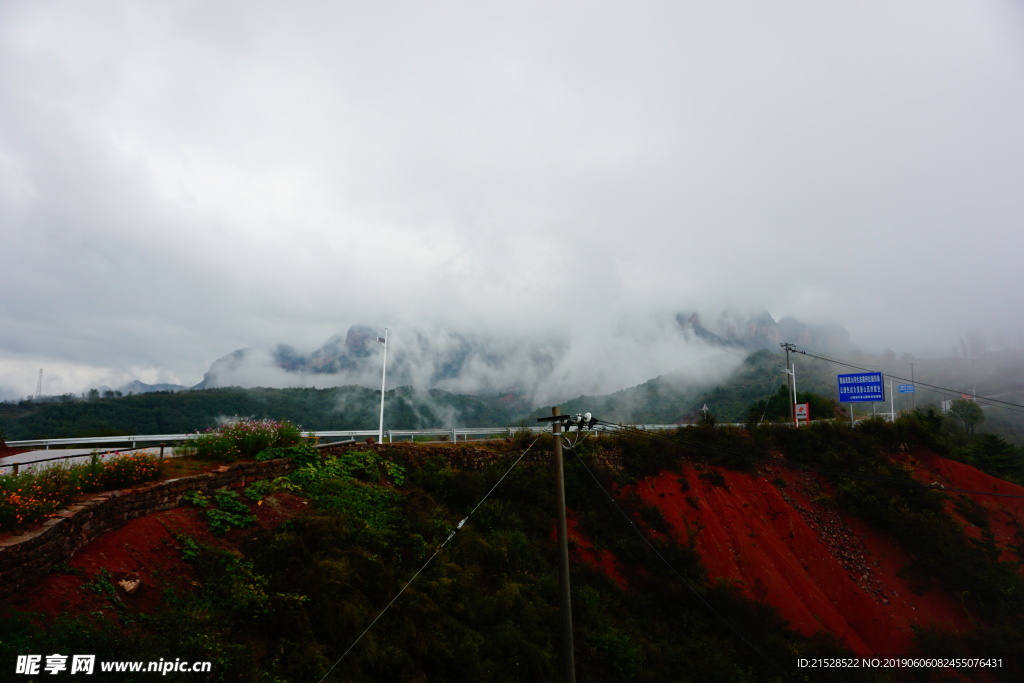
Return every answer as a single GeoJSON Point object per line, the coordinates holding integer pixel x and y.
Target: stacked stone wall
{"type": "Point", "coordinates": [26, 557]}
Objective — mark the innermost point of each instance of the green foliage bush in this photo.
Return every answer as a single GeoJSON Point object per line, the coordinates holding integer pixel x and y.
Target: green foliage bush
{"type": "Point", "coordinates": [995, 456]}
{"type": "Point", "coordinates": [243, 438]}
{"type": "Point", "coordinates": [196, 498]}
{"type": "Point", "coordinates": [230, 513]}
{"type": "Point", "coordinates": [892, 499]}
{"type": "Point", "coordinates": [258, 489]}
{"type": "Point", "coordinates": [776, 408]}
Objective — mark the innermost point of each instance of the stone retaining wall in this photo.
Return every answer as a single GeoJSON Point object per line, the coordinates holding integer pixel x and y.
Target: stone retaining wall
{"type": "Point", "coordinates": [25, 558]}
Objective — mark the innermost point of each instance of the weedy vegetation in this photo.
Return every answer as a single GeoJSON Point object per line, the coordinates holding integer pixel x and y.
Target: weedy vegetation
{"type": "Point", "coordinates": [287, 603]}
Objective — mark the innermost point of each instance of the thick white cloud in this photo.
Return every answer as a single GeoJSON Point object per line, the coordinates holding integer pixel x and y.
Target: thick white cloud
{"type": "Point", "coordinates": [178, 180]}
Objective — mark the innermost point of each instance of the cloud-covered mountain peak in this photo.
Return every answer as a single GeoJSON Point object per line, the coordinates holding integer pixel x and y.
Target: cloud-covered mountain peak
{"type": "Point", "coordinates": [592, 358]}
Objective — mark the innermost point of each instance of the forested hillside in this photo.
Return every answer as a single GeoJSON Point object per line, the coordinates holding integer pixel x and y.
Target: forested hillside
{"type": "Point", "coordinates": [314, 409]}
{"type": "Point", "coordinates": [751, 393]}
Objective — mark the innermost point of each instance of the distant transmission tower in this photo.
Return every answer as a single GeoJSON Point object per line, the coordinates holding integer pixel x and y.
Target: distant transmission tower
{"type": "Point", "coordinates": [39, 384]}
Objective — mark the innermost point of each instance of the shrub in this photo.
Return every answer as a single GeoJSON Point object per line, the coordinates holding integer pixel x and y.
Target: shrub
{"type": "Point", "coordinates": [33, 496]}
{"type": "Point", "coordinates": [230, 512]}
{"type": "Point", "coordinates": [126, 470]}
{"type": "Point", "coordinates": [243, 438]}
{"type": "Point", "coordinates": [196, 498]}
{"type": "Point", "coordinates": [256, 490]}
{"type": "Point", "coordinates": [303, 454]}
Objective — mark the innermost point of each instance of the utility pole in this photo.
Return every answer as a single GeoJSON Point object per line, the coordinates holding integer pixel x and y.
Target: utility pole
{"type": "Point", "coordinates": [568, 655]}
{"type": "Point", "coordinates": [39, 385]}
{"type": "Point", "coordinates": [581, 422]}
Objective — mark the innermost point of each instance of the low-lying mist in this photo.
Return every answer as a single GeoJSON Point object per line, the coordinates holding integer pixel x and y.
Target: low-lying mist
{"type": "Point", "coordinates": [589, 356]}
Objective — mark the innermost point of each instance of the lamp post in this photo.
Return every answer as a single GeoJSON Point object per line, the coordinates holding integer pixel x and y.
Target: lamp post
{"type": "Point", "coordinates": [791, 371]}
{"type": "Point", "coordinates": [383, 341]}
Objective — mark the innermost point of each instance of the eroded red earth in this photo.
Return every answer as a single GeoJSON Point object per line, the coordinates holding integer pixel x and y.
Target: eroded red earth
{"type": "Point", "coordinates": [766, 533]}
{"type": "Point", "coordinates": [6, 450]}
{"type": "Point", "coordinates": [146, 550]}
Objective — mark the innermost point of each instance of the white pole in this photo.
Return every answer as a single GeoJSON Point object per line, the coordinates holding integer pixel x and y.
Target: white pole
{"type": "Point", "coordinates": [796, 420]}
{"type": "Point", "coordinates": [383, 378]}
{"type": "Point", "coordinates": [892, 405]}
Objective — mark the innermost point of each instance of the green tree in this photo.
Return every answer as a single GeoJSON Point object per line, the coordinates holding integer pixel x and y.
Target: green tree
{"type": "Point", "coordinates": [997, 456]}
{"type": "Point", "coordinates": [776, 408]}
{"type": "Point", "coordinates": [968, 412]}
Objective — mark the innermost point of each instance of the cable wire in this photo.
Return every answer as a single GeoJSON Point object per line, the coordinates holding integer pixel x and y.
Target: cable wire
{"type": "Point", "coordinates": [429, 560]}
{"type": "Point", "coordinates": [990, 401]}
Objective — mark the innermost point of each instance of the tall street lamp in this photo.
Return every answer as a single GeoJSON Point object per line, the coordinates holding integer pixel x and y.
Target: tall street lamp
{"type": "Point", "coordinates": [383, 341]}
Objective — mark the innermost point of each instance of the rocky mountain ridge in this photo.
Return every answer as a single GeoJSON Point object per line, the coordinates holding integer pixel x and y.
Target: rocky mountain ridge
{"type": "Point", "coordinates": [475, 364]}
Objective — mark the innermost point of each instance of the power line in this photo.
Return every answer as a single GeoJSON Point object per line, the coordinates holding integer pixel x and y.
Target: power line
{"type": "Point", "coordinates": [989, 400]}
{"type": "Point", "coordinates": [429, 560]}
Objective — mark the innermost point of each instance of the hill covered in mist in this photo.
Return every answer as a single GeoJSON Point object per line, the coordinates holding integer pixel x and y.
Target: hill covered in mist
{"type": "Point", "coordinates": [592, 355]}
{"type": "Point", "coordinates": [674, 397]}
{"type": "Point", "coordinates": [182, 412]}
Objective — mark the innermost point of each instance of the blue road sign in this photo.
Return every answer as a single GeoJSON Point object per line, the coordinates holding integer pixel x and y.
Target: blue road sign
{"type": "Point", "coordinates": [861, 387]}
{"type": "Point", "coordinates": [906, 388]}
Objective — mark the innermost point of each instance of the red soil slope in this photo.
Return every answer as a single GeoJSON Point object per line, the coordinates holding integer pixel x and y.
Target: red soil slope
{"type": "Point", "coordinates": [582, 550]}
{"type": "Point", "coordinates": [146, 550]}
{"type": "Point", "coordinates": [1005, 515]}
{"type": "Point", "coordinates": [6, 450]}
{"type": "Point", "coordinates": [766, 533]}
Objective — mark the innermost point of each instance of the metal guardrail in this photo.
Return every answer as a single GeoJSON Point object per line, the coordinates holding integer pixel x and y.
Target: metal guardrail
{"type": "Point", "coordinates": [16, 466]}
{"type": "Point", "coordinates": [162, 440]}
{"type": "Point", "coordinates": [86, 440]}
{"type": "Point", "coordinates": [391, 435]}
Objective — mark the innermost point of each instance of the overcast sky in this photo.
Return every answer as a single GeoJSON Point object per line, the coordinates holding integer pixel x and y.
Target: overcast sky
{"type": "Point", "coordinates": [182, 179]}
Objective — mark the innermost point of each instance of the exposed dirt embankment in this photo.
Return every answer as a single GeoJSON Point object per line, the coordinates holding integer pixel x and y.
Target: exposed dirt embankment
{"type": "Point", "coordinates": [6, 450]}
{"type": "Point", "coordinates": [1003, 515]}
{"type": "Point", "coordinates": [141, 560]}
{"type": "Point", "coordinates": [776, 536]}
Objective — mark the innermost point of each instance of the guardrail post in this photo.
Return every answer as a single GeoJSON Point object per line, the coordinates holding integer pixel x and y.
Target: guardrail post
{"type": "Point", "coordinates": [455, 437]}
{"type": "Point", "coordinates": [161, 451]}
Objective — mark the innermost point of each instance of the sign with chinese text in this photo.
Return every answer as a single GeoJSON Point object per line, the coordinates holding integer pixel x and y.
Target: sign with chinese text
{"type": "Point", "coordinates": [861, 387]}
